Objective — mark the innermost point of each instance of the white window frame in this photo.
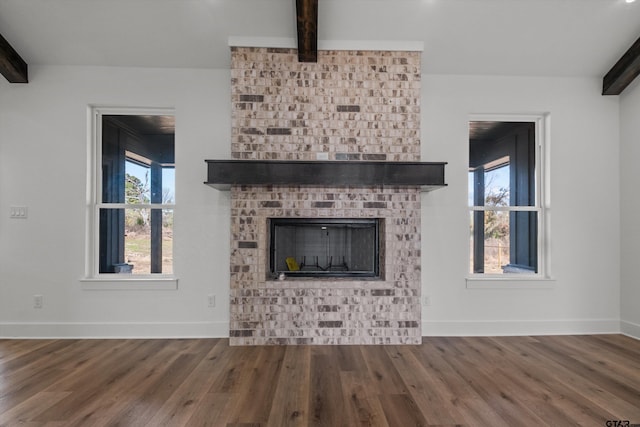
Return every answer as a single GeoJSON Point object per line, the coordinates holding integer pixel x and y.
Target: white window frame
{"type": "Point", "coordinates": [543, 278]}
{"type": "Point", "coordinates": [93, 279]}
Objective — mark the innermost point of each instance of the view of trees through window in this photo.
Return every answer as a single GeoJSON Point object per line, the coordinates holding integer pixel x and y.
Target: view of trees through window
{"type": "Point", "coordinates": [503, 223]}
{"type": "Point", "coordinates": [137, 198]}
{"type": "Point", "coordinates": [138, 220]}
{"type": "Point", "coordinates": [496, 223]}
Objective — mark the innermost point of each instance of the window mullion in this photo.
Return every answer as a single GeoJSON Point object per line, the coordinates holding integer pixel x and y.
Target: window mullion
{"type": "Point", "coordinates": [135, 206]}
{"type": "Point", "coordinates": [506, 208]}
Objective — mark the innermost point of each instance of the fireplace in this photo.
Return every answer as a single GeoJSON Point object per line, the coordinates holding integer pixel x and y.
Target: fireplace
{"type": "Point", "coordinates": [351, 107]}
{"type": "Point", "coordinates": [324, 247]}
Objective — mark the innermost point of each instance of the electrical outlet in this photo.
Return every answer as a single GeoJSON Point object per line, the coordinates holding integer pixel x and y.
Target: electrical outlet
{"type": "Point", "coordinates": [37, 301]}
{"type": "Point", "coordinates": [211, 300]}
{"type": "Point", "coordinates": [426, 301]}
{"type": "Point", "coordinates": [18, 212]}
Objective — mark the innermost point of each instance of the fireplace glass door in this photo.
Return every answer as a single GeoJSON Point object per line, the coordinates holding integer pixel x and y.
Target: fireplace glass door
{"type": "Point", "coordinates": [324, 247]}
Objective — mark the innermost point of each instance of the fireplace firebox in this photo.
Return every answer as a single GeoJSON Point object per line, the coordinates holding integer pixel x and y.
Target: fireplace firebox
{"type": "Point", "coordinates": [322, 247]}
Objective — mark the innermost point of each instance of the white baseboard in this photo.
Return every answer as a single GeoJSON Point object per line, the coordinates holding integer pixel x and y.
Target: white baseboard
{"type": "Point", "coordinates": [221, 329]}
{"type": "Point", "coordinates": [519, 328]}
{"type": "Point", "coordinates": [115, 330]}
{"type": "Point", "coordinates": [630, 329]}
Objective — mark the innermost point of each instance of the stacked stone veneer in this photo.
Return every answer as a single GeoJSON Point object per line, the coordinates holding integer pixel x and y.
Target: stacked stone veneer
{"type": "Point", "coordinates": [352, 105]}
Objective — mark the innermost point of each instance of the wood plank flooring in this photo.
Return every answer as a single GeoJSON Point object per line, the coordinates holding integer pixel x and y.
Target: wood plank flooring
{"type": "Point", "coordinates": [498, 381]}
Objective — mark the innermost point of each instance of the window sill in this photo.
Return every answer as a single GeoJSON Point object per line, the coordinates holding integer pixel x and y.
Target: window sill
{"type": "Point", "coordinates": [143, 283]}
{"type": "Point", "coordinates": [510, 282]}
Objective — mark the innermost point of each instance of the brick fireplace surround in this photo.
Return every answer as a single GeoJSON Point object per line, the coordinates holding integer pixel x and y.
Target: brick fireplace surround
{"type": "Point", "coordinates": [351, 105]}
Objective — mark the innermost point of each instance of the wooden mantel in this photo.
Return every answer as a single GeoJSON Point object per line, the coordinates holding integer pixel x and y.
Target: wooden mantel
{"type": "Point", "coordinates": [222, 174]}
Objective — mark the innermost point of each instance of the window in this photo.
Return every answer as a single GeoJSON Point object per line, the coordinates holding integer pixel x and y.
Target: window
{"type": "Point", "coordinates": [506, 216]}
{"type": "Point", "coordinates": [134, 193]}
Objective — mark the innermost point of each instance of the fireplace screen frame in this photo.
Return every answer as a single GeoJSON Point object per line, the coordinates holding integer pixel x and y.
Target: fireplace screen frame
{"type": "Point", "coordinates": [322, 271]}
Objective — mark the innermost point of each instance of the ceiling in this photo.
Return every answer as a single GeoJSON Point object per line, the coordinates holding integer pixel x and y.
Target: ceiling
{"type": "Point", "coordinates": [146, 125]}
{"type": "Point", "coordinates": [485, 130]}
{"type": "Point", "coordinates": [497, 37]}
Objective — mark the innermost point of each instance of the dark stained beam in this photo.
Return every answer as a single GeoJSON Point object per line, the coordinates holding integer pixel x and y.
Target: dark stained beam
{"type": "Point", "coordinates": [623, 72]}
{"type": "Point", "coordinates": [222, 174]}
{"type": "Point", "coordinates": [12, 66]}
{"type": "Point", "coordinates": [307, 20]}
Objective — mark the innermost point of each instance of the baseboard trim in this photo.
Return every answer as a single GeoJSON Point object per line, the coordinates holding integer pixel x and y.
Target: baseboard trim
{"type": "Point", "coordinates": [630, 329]}
{"type": "Point", "coordinates": [520, 328]}
{"type": "Point", "coordinates": [220, 329]}
{"type": "Point", "coordinates": [115, 330]}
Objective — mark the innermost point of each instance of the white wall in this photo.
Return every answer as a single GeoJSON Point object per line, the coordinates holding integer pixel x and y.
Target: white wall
{"type": "Point", "coordinates": [630, 209]}
{"type": "Point", "coordinates": [584, 209]}
{"type": "Point", "coordinates": [43, 163]}
{"type": "Point", "coordinates": [43, 141]}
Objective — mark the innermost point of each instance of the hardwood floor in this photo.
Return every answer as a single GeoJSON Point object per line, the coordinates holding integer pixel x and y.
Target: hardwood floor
{"type": "Point", "coordinates": [502, 381]}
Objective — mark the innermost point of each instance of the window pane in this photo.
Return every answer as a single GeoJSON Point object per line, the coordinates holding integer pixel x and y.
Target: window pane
{"type": "Point", "coordinates": [168, 185]}
{"type": "Point", "coordinates": [136, 241]}
{"type": "Point", "coordinates": [502, 173]}
{"type": "Point", "coordinates": [470, 187]}
{"type": "Point", "coordinates": [138, 158]}
{"type": "Point", "coordinates": [137, 183]}
{"type": "Point", "coordinates": [502, 163]}
{"type": "Point", "coordinates": [503, 242]}
{"type": "Point", "coordinates": [496, 186]}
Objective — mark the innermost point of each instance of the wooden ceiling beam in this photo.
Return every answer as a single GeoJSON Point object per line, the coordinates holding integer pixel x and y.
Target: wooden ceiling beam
{"type": "Point", "coordinates": [623, 72]}
{"type": "Point", "coordinates": [307, 22]}
{"type": "Point", "coordinates": [12, 66]}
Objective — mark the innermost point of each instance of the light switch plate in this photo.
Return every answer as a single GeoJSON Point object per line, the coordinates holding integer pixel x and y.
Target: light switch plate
{"type": "Point", "coordinates": [18, 212]}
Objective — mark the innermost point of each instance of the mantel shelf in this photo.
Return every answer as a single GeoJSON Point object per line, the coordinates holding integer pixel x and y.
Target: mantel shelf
{"type": "Point", "coordinates": [222, 174]}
